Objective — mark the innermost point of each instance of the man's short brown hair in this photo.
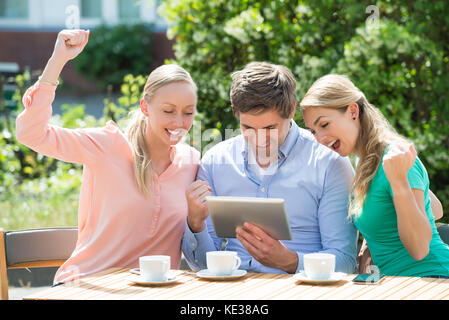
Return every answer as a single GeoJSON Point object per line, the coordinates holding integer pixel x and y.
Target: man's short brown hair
{"type": "Point", "coordinates": [262, 86]}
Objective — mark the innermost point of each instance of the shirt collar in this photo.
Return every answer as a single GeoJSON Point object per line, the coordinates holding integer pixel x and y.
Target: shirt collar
{"type": "Point", "coordinates": [290, 140]}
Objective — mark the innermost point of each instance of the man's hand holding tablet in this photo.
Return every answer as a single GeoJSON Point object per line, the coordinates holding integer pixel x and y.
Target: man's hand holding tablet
{"type": "Point", "coordinates": [268, 251]}
{"type": "Point", "coordinates": [261, 242]}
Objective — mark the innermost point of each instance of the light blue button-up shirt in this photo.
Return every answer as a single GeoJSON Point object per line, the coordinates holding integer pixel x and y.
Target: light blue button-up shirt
{"type": "Point", "coordinates": [313, 180]}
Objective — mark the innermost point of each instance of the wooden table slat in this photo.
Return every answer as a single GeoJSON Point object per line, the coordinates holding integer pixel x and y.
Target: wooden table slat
{"type": "Point", "coordinates": [184, 287]}
{"type": "Point", "coordinates": [255, 287]}
{"type": "Point", "coordinates": [405, 293]}
{"type": "Point", "coordinates": [116, 283]}
{"type": "Point", "coordinates": [292, 290]}
{"type": "Point", "coordinates": [443, 286]}
{"type": "Point", "coordinates": [215, 288]}
{"type": "Point", "coordinates": [114, 289]}
{"type": "Point", "coordinates": [443, 295]}
{"type": "Point", "coordinates": [417, 293]}
{"type": "Point", "coordinates": [60, 292]}
{"type": "Point", "coordinates": [179, 291]}
{"type": "Point", "coordinates": [155, 292]}
{"type": "Point", "coordinates": [354, 291]}
{"type": "Point", "coordinates": [85, 286]}
{"type": "Point", "coordinates": [378, 291]}
{"type": "Point", "coordinates": [316, 292]}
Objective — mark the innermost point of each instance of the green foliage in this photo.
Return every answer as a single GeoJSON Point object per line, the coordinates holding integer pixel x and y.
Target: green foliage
{"type": "Point", "coordinates": [37, 191]}
{"type": "Point", "coordinates": [49, 201]}
{"type": "Point", "coordinates": [402, 66]}
{"type": "Point", "coordinates": [113, 52]}
{"type": "Point", "coordinates": [215, 38]}
{"type": "Point", "coordinates": [405, 75]}
{"type": "Point", "coordinates": [131, 90]}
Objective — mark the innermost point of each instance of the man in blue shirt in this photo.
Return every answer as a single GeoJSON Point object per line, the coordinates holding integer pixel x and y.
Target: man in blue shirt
{"type": "Point", "coordinates": [273, 158]}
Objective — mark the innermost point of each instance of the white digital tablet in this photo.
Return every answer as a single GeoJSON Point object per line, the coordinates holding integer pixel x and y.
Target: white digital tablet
{"type": "Point", "coordinates": [268, 213]}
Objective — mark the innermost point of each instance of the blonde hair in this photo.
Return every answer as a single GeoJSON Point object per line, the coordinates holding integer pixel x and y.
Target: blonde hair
{"type": "Point", "coordinates": [338, 92]}
{"type": "Point", "coordinates": [136, 130]}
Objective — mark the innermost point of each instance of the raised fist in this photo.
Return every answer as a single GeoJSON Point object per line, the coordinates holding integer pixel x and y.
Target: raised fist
{"type": "Point", "coordinates": [398, 161]}
{"type": "Point", "coordinates": [69, 44]}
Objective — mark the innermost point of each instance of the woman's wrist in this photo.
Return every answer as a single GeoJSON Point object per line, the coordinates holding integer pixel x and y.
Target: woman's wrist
{"type": "Point", "coordinates": [43, 81]}
{"type": "Point", "coordinates": [400, 186]}
{"type": "Point", "coordinates": [196, 226]}
{"type": "Point", "coordinates": [52, 70]}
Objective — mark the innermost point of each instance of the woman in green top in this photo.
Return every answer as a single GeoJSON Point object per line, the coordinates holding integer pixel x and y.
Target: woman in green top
{"type": "Point", "coordinates": [391, 203]}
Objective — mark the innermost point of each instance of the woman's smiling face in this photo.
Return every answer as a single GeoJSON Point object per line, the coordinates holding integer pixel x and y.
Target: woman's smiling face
{"type": "Point", "coordinates": [170, 112]}
{"type": "Point", "coordinates": [337, 129]}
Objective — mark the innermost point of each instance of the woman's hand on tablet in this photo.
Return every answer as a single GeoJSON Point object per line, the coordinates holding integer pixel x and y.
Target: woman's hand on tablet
{"type": "Point", "coordinates": [196, 200]}
{"type": "Point", "coordinates": [268, 251]}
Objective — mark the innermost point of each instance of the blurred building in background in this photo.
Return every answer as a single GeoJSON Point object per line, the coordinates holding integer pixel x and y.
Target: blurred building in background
{"type": "Point", "coordinates": [28, 29]}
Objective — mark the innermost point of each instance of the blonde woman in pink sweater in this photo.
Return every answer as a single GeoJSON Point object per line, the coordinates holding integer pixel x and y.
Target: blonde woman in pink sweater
{"type": "Point", "coordinates": [132, 199]}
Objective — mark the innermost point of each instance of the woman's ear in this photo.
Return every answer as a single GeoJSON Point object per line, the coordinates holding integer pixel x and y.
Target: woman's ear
{"type": "Point", "coordinates": [144, 107]}
{"type": "Point", "coordinates": [353, 110]}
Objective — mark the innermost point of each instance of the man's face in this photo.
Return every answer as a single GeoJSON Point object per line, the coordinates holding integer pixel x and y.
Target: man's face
{"type": "Point", "coordinates": [265, 132]}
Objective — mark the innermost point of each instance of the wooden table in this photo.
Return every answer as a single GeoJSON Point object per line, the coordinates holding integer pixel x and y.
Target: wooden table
{"type": "Point", "coordinates": [115, 284]}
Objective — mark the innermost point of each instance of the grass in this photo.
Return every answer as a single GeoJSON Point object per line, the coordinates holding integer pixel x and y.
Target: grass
{"type": "Point", "coordinates": [46, 202]}
{"type": "Point", "coordinates": [24, 212]}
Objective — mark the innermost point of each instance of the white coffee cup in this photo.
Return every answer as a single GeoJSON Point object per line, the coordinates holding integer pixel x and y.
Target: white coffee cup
{"type": "Point", "coordinates": [319, 266]}
{"type": "Point", "coordinates": [222, 263]}
{"type": "Point", "coordinates": [154, 268]}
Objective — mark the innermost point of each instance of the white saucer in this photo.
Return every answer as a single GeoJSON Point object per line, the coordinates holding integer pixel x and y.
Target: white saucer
{"type": "Point", "coordinates": [137, 279]}
{"type": "Point", "coordinates": [205, 274]}
{"type": "Point", "coordinates": [135, 271]}
{"type": "Point", "coordinates": [335, 277]}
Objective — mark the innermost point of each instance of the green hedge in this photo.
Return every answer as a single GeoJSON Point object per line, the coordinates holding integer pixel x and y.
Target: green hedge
{"type": "Point", "coordinates": [115, 51]}
{"type": "Point", "coordinates": [401, 65]}
{"type": "Point", "coordinates": [37, 191]}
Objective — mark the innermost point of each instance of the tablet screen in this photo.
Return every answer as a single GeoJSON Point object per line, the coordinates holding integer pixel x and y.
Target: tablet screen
{"type": "Point", "coordinates": [269, 214]}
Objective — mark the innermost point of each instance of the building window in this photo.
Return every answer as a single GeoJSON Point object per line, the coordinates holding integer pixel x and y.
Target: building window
{"type": "Point", "coordinates": [129, 9]}
{"type": "Point", "coordinates": [14, 9]}
{"type": "Point", "coordinates": [91, 8]}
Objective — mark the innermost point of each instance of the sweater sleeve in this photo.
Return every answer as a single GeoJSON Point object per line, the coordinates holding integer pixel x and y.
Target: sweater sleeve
{"type": "Point", "coordinates": [82, 146]}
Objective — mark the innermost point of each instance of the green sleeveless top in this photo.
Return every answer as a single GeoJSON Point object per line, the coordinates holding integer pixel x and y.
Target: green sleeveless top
{"type": "Point", "coordinates": [377, 222]}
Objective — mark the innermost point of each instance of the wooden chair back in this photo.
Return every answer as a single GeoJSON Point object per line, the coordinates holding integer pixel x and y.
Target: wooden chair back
{"type": "Point", "coordinates": [34, 248]}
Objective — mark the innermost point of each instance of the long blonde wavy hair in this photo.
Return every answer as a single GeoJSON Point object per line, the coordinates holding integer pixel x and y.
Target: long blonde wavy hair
{"type": "Point", "coordinates": [136, 130]}
{"type": "Point", "coordinates": [338, 92]}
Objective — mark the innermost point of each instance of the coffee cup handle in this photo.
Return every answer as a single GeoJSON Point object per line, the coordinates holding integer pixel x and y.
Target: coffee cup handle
{"type": "Point", "coordinates": [238, 261]}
